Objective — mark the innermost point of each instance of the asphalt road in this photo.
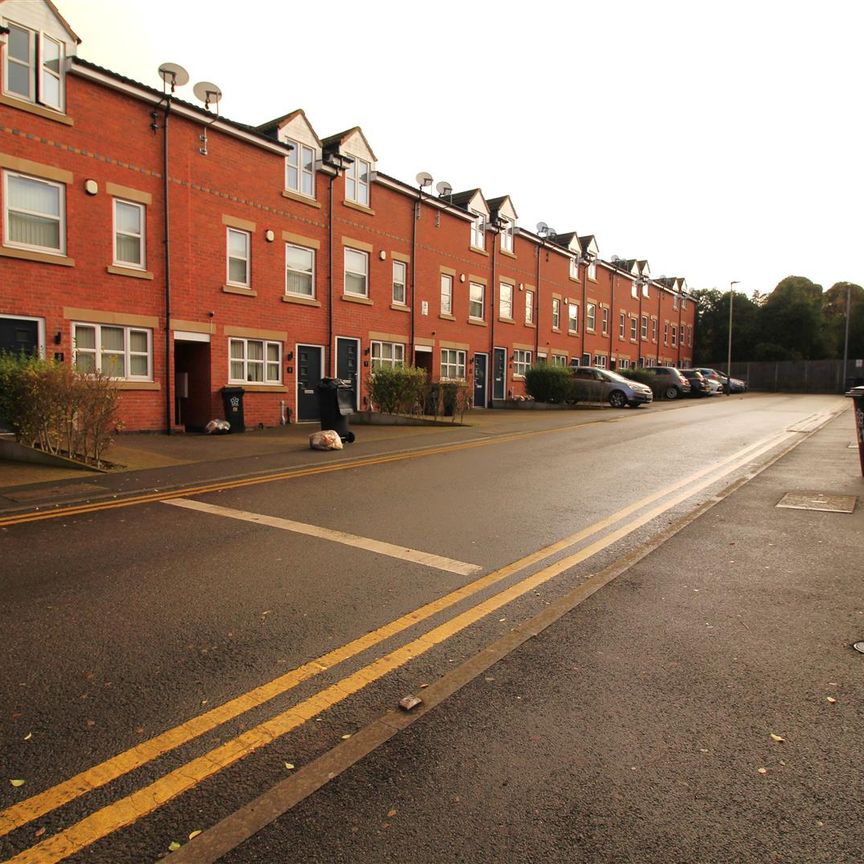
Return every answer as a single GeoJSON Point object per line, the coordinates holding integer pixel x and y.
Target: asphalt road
{"type": "Point", "coordinates": [168, 663]}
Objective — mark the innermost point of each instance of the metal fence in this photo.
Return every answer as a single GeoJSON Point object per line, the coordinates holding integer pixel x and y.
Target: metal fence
{"type": "Point", "coordinates": [798, 376]}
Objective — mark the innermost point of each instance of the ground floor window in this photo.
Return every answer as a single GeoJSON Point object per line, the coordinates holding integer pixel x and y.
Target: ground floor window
{"type": "Point", "coordinates": [623, 363]}
{"type": "Point", "coordinates": [119, 352]}
{"type": "Point", "coordinates": [521, 362]}
{"type": "Point", "coordinates": [452, 364]}
{"type": "Point", "coordinates": [559, 359]}
{"type": "Point", "coordinates": [387, 354]}
{"type": "Point", "coordinates": [600, 360]}
{"type": "Point", "coordinates": [254, 361]}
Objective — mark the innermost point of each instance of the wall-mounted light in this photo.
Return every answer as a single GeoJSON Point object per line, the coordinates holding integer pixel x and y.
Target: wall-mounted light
{"type": "Point", "coordinates": [269, 235]}
{"type": "Point", "coordinates": [382, 255]}
{"type": "Point", "coordinates": [91, 187]}
{"type": "Point", "coordinates": [462, 277]}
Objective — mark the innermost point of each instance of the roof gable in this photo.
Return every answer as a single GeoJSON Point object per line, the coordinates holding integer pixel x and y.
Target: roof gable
{"type": "Point", "coordinates": [351, 142]}
{"type": "Point", "coordinates": [40, 15]}
{"type": "Point", "coordinates": [295, 126]}
{"type": "Point", "coordinates": [502, 208]}
{"type": "Point", "coordinates": [473, 201]}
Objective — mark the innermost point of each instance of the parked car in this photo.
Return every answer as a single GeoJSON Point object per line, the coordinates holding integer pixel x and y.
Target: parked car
{"type": "Point", "coordinates": [699, 384]}
{"type": "Point", "coordinates": [736, 384]}
{"type": "Point", "coordinates": [592, 384]}
{"type": "Point", "coordinates": [669, 382]}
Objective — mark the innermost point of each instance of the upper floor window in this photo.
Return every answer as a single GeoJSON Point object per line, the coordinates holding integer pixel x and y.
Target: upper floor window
{"type": "Point", "coordinates": [299, 270]}
{"type": "Point", "coordinates": [605, 319]}
{"type": "Point", "coordinates": [556, 313]}
{"type": "Point", "coordinates": [644, 328]}
{"type": "Point", "coordinates": [478, 231]}
{"type": "Point", "coordinates": [357, 181]}
{"type": "Point", "coordinates": [476, 300]}
{"type": "Point", "coordinates": [574, 268]}
{"type": "Point", "coordinates": [238, 257]}
{"type": "Point", "coordinates": [255, 360]}
{"type": "Point", "coordinates": [590, 317]}
{"type": "Point", "coordinates": [634, 327]}
{"type": "Point", "coordinates": [34, 67]}
{"type": "Point", "coordinates": [452, 363]}
{"type": "Point", "coordinates": [356, 273]}
{"type": "Point", "coordinates": [674, 301]}
{"type": "Point", "coordinates": [506, 236]}
{"type": "Point", "coordinates": [592, 271]}
{"type": "Point", "coordinates": [572, 318]}
{"type": "Point", "coordinates": [446, 294]}
{"type": "Point", "coordinates": [119, 352]}
{"type": "Point", "coordinates": [34, 214]}
{"type": "Point", "coordinates": [521, 362]}
{"type": "Point", "coordinates": [300, 169]}
{"type": "Point", "coordinates": [388, 354]}
{"type": "Point", "coordinates": [622, 326]}
{"type": "Point", "coordinates": [505, 301]}
{"type": "Point", "coordinates": [529, 307]}
{"type": "Point", "coordinates": [666, 333]}
{"type": "Point", "coordinates": [654, 329]}
{"type": "Point", "coordinates": [674, 335]}
{"type": "Point", "coordinates": [400, 271]}
{"type": "Point", "coordinates": [129, 222]}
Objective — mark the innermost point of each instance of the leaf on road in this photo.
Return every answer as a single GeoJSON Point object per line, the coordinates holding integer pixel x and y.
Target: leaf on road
{"type": "Point", "coordinates": [17, 783]}
{"type": "Point", "coordinates": [28, 736]}
{"type": "Point", "coordinates": [832, 700]}
{"type": "Point", "coordinates": [345, 737]}
{"type": "Point", "coordinates": [289, 766]}
{"type": "Point", "coordinates": [173, 846]}
{"type": "Point", "coordinates": [39, 832]}
{"type": "Point", "coordinates": [778, 738]}
{"type": "Point", "coordinates": [391, 813]}
{"type": "Point", "coordinates": [194, 834]}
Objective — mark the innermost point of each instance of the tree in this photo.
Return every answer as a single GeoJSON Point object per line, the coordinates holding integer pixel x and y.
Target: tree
{"type": "Point", "coordinates": [712, 326]}
{"type": "Point", "coordinates": [834, 312]}
{"type": "Point", "coordinates": [791, 318]}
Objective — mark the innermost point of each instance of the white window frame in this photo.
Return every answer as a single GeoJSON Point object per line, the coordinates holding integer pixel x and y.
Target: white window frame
{"type": "Point", "coordinates": [559, 360]}
{"type": "Point", "coordinates": [592, 271]}
{"type": "Point", "coordinates": [453, 364]}
{"type": "Point", "coordinates": [505, 301]}
{"type": "Point", "coordinates": [37, 68]}
{"type": "Point", "coordinates": [364, 273]}
{"type": "Point", "coordinates": [357, 189]}
{"type": "Point", "coordinates": [556, 314]}
{"type": "Point", "coordinates": [529, 306]}
{"type": "Point", "coordinates": [653, 329]}
{"type": "Point", "coordinates": [301, 160]}
{"type": "Point", "coordinates": [665, 332]}
{"type": "Point", "coordinates": [61, 219]}
{"type": "Point", "coordinates": [387, 354]}
{"type": "Point", "coordinates": [400, 283]}
{"type": "Point", "coordinates": [478, 232]}
{"type": "Point", "coordinates": [674, 335]}
{"type": "Point", "coordinates": [127, 353]}
{"type": "Point", "coordinates": [521, 362]}
{"type": "Point", "coordinates": [268, 367]}
{"type": "Point", "coordinates": [623, 363]}
{"type": "Point", "coordinates": [446, 294]}
{"type": "Point", "coordinates": [141, 264]}
{"type": "Point", "coordinates": [289, 270]}
{"type": "Point", "coordinates": [506, 236]}
{"type": "Point", "coordinates": [600, 361]}
{"type": "Point", "coordinates": [473, 301]}
{"type": "Point", "coordinates": [572, 317]}
{"type": "Point", "coordinates": [590, 317]}
{"type": "Point", "coordinates": [574, 268]}
{"type": "Point", "coordinates": [634, 328]}
{"type": "Point", "coordinates": [247, 260]}
{"type": "Point", "coordinates": [604, 320]}
{"type": "Point", "coordinates": [643, 329]}
{"type": "Point", "coordinates": [674, 301]}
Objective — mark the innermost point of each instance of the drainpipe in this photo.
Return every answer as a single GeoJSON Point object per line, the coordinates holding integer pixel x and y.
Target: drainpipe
{"type": "Point", "coordinates": [328, 361]}
{"type": "Point", "coordinates": [167, 247]}
{"type": "Point", "coordinates": [493, 311]}
{"type": "Point", "coordinates": [417, 204]}
{"type": "Point", "coordinates": [612, 329]}
{"type": "Point", "coordinates": [639, 351]}
{"type": "Point", "coordinates": [536, 302]}
{"type": "Point", "coordinates": [659, 315]}
{"type": "Point", "coordinates": [584, 304]}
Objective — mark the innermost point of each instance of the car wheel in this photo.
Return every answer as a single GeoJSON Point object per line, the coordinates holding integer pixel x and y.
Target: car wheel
{"type": "Point", "coordinates": [671, 393]}
{"type": "Point", "coordinates": [617, 399]}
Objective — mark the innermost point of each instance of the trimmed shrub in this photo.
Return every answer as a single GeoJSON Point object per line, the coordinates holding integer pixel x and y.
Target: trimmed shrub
{"type": "Point", "coordinates": [640, 375]}
{"type": "Point", "coordinates": [548, 383]}
{"type": "Point", "coordinates": [397, 389]}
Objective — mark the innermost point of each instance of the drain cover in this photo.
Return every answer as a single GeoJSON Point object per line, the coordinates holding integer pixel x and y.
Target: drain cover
{"type": "Point", "coordinates": [818, 501]}
{"type": "Point", "coordinates": [859, 647]}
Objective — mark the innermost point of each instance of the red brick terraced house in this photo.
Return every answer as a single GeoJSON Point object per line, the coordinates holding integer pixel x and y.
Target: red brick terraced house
{"type": "Point", "coordinates": [181, 253]}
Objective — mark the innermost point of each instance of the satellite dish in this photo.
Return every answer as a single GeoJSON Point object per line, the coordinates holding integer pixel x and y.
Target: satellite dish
{"type": "Point", "coordinates": [615, 259]}
{"type": "Point", "coordinates": [444, 188]}
{"type": "Point", "coordinates": [174, 75]}
{"type": "Point", "coordinates": [424, 179]}
{"type": "Point", "coordinates": [208, 93]}
{"type": "Point", "coordinates": [542, 227]}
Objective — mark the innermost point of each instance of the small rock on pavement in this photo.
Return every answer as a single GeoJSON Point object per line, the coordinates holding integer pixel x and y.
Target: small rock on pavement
{"type": "Point", "coordinates": [410, 702]}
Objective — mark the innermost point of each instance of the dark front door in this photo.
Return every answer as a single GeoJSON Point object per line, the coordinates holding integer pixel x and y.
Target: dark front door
{"type": "Point", "coordinates": [19, 336]}
{"type": "Point", "coordinates": [499, 384]}
{"type": "Point", "coordinates": [347, 356]}
{"type": "Point", "coordinates": [479, 380]}
{"type": "Point", "coordinates": [308, 377]}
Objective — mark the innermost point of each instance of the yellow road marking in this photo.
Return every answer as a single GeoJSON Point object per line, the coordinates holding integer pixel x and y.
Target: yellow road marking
{"type": "Point", "coordinates": [125, 811]}
{"type": "Point", "coordinates": [362, 462]}
{"type": "Point", "coordinates": [403, 553]}
{"type": "Point", "coordinates": [99, 775]}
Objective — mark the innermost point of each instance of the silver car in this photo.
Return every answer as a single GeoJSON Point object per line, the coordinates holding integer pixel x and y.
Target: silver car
{"type": "Point", "coordinates": [592, 384]}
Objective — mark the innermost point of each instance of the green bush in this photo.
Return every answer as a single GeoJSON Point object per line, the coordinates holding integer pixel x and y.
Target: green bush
{"type": "Point", "coordinates": [397, 389]}
{"type": "Point", "coordinates": [640, 375]}
{"type": "Point", "coordinates": [52, 407]}
{"type": "Point", "coordinates": [548, 383]}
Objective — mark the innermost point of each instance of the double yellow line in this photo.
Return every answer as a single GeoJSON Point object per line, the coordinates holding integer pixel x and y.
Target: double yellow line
{"type": "Point", "coordinates": [129, 809]}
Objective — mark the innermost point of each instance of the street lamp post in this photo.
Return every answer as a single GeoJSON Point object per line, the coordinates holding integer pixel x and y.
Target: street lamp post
{"type": "Point", "coordinates": [729, 352]}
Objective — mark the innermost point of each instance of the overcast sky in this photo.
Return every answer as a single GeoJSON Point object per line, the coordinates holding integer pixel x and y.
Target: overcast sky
{"type": "Point", "coordinates": [720, 141]}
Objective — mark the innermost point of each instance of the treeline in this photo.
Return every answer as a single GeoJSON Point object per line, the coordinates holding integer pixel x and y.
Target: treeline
{"type": "Point", "coordinates": [796, 321]}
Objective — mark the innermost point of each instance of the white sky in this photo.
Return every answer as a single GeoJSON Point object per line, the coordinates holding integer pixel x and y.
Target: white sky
{"type": "Point", "coordinates": [720, 141]}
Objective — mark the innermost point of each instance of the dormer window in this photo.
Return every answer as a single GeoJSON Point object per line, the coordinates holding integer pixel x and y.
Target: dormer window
{"type": "Point", "coordinates": [300, 169]}
{"type": "Point", "coordinates": [478, 231]}
{"type": "Point", "coordinates": [34, 67]}
{"type": "Point", "coordinates": [574, 268]}
{"type": "Point", "coordinates": [357, 182]}
{"type": "Point", "coordinates": [506, 236]}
